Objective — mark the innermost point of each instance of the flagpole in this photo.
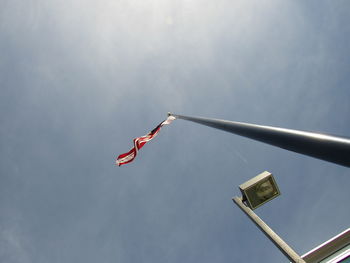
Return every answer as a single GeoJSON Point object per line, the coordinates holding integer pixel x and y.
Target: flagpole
{"type": "Point", "coordinates": [326, 147]}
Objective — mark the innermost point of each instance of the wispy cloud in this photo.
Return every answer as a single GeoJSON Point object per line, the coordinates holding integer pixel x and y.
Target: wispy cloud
{"type": "Point", "coordinates": [13, 247]}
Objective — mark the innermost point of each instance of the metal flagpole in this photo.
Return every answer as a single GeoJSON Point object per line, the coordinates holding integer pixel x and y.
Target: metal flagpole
{"type": "Point", "coordinates": [330, 148]}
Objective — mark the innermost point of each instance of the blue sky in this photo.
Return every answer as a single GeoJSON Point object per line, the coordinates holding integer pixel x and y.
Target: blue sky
{"type": "Point", "coordinates": [80, 79]}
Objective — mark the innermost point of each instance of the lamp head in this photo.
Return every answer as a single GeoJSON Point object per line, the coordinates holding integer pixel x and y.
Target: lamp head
{"type": "Point", "coordinates": [259, 190]}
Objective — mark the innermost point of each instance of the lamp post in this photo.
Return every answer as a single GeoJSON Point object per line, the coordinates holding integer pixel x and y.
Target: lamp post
{"type": "Point", "coordinates": [256, 192]}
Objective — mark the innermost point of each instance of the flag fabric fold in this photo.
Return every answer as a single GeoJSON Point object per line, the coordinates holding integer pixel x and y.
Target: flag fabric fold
{"type": "Point", "coordinates": [139, 142]}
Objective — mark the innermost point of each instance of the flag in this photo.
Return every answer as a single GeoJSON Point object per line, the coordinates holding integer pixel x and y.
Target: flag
{"type": "Point", "coordinates": [139, 142]}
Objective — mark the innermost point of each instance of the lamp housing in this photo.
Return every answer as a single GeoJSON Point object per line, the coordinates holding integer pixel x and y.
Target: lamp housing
{"type": "Point", "coordinates": [259, 190]}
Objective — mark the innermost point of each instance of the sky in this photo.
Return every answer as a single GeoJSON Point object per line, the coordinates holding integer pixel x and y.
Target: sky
{"type": "Point", "coordinates": [80, 79]}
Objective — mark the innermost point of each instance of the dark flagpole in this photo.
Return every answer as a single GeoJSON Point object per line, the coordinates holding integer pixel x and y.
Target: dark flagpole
{"type": "Point", "coordinates": [326, 147]}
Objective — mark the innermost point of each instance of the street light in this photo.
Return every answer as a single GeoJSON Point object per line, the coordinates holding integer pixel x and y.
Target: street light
{"type": "Point", "coordinates": [259, 190]}
{"type": "Point", "coordinates": [256, 192]}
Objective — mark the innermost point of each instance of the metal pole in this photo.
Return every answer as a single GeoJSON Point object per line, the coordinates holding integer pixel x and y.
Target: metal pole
{"type": "Point", "coordinates": [279, 243]}
{"type": "Point", "coordinates": [330, 148]}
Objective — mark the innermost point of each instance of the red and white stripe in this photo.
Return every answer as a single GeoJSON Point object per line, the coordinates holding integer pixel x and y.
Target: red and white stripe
{"type": "Point", "coordinates": [139, 142]}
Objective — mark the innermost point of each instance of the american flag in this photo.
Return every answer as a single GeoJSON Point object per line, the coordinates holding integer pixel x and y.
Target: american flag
{"type": "Point", "coordinates": [139, 142]}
